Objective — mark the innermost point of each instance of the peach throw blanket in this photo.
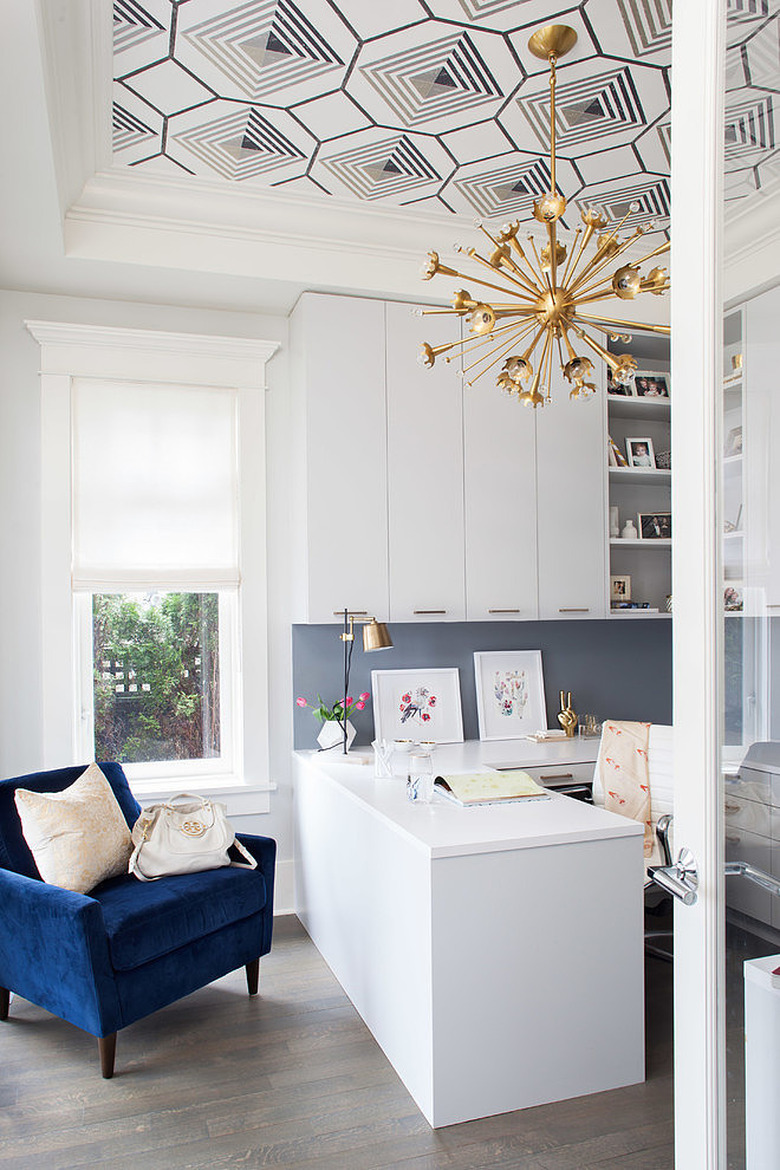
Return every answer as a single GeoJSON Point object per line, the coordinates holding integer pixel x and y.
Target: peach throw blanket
{"type": "Point", "coordinates": [624, 773]}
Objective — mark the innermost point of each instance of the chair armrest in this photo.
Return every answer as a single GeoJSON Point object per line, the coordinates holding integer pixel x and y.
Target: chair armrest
{"type": "Point", "coordinates": [54, 952]}
{"type": "Point", "coordinates": [263, 849]}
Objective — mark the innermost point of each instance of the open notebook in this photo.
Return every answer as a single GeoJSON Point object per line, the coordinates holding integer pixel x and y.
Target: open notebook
{"type": "Point", "coordinates": [490, 788]}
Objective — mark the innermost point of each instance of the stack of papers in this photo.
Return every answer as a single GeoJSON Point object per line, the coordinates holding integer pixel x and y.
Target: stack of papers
{"type": "Point", "coordinates": [490, 788]}
{"type": "Point", "coordinates": [544, 736]}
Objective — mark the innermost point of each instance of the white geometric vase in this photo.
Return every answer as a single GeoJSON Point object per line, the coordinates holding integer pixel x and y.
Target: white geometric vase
{"type": "Point", "coordinates": [331, 736]}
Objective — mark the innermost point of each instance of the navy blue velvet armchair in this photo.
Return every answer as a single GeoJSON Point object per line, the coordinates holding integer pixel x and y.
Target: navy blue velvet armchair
{"type": "Point", "coordinates": [104, 959]}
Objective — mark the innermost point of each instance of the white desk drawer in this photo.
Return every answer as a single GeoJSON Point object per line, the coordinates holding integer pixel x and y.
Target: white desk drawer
{"type": "Point", "coordinates": [556, 775]}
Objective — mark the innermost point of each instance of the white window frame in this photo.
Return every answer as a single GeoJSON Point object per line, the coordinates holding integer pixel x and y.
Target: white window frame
{"type": "Point", "coordinates": [77, 351]}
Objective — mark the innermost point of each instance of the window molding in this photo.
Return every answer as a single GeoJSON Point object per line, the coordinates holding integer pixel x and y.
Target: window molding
{"type": "Point", "coordinates": [69, 351]}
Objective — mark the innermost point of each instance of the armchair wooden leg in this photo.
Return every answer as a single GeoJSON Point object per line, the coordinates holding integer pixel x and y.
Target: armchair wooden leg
{"type": "Point", "coordinates": [107, 1049]}
{"type": "Point", "coordinates": [5, 999]}
{"type": "Point", "coordinates": [252, 976]}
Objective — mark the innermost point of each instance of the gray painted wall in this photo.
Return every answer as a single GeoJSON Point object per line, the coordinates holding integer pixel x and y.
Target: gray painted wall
{"type": "Point", "coordinates": [615, 668]}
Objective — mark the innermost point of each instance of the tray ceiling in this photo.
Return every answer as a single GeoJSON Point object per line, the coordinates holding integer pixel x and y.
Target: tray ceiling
{"type": "Point", "coordinates": [436, 106]}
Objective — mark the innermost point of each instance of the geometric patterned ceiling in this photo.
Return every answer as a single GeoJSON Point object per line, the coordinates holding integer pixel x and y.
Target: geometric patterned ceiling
{"type": "Point", "coordinates": [435, 105]}
{"type": "Point", "coordinates": [752, 97]}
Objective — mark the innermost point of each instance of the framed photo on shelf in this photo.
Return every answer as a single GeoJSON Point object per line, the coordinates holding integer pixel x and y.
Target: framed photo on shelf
{"type": "Point", "coordinates": [640, 452]}
{"type": "Point", "coordinates": [619, 588]}
{"type": "Point", "coordinates": [733, 444]}
{"type": "Point", "coordinates": [614, 387]}
{"type": "Point", "coordinates": [655, 525]}
{"type": "Point", "coordinates": [422, 704]}
{"type": "Point", "coordinates": [510, 693]}
{"type": "Point", "coordinates": [649, 384]}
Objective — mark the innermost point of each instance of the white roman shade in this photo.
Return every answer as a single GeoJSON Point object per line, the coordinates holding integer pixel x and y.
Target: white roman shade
{"type": "Point", "coordinates": [155, 486]}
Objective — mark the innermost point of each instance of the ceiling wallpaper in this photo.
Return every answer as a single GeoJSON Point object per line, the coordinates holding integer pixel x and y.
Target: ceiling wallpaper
{"type": "Point", "coordinates": [430, 104]}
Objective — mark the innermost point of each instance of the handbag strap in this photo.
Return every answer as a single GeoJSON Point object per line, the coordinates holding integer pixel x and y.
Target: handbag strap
{"type": "Point", "coordinates": [245, 853]}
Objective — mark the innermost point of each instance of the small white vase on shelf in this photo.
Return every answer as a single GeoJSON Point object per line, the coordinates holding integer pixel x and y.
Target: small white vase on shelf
{"type": "Point", "coordinates": [331, 736]}
{"type": "Point", "coordinates": [629, 531]}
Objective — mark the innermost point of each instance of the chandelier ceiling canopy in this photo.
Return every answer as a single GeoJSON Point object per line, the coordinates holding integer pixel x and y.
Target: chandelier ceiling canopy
{"type": "Point", "coordinates": [548, 295]}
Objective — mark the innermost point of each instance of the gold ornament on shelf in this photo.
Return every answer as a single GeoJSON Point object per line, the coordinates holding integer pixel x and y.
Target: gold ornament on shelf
{"type": "Point", "coordinates": [566, 716]}
{"type": "Point", "coordinates": [551, 289]}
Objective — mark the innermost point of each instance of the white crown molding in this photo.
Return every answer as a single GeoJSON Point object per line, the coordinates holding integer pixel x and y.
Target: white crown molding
{"type": "Point", "coordinates": [99, 351]}
{"type": "Point", "coordinates": [319, 243]}
{"type": "Point", "coordinates": [752, 244]}
{"type": "Point", "coordinates": [75, 38]}
{"type": "Point", "coordinates": [210, 227]}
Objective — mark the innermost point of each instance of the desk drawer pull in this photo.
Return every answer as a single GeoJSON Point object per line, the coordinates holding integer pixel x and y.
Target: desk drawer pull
{"type": "Point", "coordinates": [574, 609]}
{"type": "Point", "coordinates": [731, 807]}
{"type": "Point", "coordinates": [423, 612]}
{"type": "Point", "coordinates": [558, 776]}
{"type": "Point", "coordinates": [355, 612]}
{"type": "Point", "coordinates": [503, 611]}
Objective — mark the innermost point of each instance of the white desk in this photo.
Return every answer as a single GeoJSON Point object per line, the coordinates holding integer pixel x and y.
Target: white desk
{"type": "Point", "coordinates": [495, 953]}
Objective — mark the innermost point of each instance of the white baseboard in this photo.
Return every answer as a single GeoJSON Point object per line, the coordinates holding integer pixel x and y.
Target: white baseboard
{"type": "Point", "coordinates": [284, 887]}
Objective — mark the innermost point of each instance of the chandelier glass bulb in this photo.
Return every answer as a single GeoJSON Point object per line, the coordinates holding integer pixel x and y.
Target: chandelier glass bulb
{"type": "Point", "coordinates": [548, 294]}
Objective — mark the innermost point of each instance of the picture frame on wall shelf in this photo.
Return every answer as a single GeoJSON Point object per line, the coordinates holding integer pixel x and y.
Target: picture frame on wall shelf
{"type": "Point", "coordinates": [510, 693]}
{"type": "Point", "coordinates": [733, 445]}
{"type": "Point", "coordinates": [651, 384]}
{"type": "Point", "coordinates": [619, 588]}
{"type": "Point", "coordinates": [640, 453]}
{"type": "Point", "coordinates": [421, 704]}
{"type": "Point", "coordinates": [655, 525]}
{"type": "Point", "coordinates": [617, 389]}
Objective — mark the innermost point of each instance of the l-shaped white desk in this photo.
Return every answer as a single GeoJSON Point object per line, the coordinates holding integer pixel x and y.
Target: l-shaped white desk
{"type": "Point", "coordinates": [495, 953]}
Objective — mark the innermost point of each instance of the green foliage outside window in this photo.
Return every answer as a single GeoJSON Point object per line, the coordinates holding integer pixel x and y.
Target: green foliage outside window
{"type": "Point", "coordinates": [156, 676]}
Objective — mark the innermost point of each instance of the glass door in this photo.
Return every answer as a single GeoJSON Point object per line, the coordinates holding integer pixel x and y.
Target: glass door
{"type": "Point", "coordinates": [726, 581]}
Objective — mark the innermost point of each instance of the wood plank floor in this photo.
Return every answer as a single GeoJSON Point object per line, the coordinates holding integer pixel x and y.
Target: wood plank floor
{"type": "Point", "coordinates": [292, 1078]}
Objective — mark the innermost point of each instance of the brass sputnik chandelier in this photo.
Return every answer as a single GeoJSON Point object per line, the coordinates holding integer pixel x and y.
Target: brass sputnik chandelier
{"type": "Point", "coordinates": [552, 289]}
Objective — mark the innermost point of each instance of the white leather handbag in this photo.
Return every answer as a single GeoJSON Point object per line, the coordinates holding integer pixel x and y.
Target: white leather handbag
{"type": "Point", "coordinates": [184, 835]}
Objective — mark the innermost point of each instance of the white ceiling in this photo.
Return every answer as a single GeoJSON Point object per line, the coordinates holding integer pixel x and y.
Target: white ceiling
{"type": "Point", "coordinates": [262, 148]}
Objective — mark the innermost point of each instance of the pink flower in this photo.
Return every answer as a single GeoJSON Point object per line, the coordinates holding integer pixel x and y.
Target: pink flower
{"type": "Point", "coordinates": [301, 702]}
{"type": "Point", "coordinates": [364, 696]}
{"type": "Point", "coordinates": [349, 699]}
{"type": "Point", "coordinates": [359, 705]}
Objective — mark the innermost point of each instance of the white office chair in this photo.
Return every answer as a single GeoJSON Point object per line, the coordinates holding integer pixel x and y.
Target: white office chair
{"type": "Point", "coordinates": [659, 767]}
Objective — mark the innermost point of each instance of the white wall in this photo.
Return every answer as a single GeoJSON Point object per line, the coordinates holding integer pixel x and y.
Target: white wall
{"type": "Point", "coordinates": [20, 567]}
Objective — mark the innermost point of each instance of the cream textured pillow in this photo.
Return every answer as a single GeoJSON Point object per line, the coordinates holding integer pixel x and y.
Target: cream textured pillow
{"type": "Point", "coordinates": [78, 837]}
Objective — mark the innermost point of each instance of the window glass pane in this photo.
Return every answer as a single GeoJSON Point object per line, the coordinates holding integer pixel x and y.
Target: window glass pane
{"type": "Point", "coordinates": [156, 676]}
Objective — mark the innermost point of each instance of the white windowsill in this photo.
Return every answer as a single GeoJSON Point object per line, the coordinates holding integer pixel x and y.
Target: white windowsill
{"type": "Point", "coordinates": [240, 799]}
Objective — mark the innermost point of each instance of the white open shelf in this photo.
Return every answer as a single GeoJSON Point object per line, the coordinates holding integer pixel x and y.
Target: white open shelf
{"type": "Point", "coordinates": [643, 475]}
{"type": "Point", "coordinates": [624, 406]}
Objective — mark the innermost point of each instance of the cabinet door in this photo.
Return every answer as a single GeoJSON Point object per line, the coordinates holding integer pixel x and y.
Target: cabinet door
{"type": "Point", "coordinates": [500, 501]}
{"type": "Point", "coordinates": [339, 348]}
{"type": "Point", "coordinates": [425, 472]}
{"type": "Point", "coordinates": [570, 485]}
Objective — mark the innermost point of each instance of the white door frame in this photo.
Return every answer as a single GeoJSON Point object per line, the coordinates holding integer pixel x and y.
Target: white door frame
{"type": "Point", "coordinates": [697, 314]}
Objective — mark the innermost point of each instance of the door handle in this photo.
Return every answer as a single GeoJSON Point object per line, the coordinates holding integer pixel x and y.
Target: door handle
{"type": "Point", "coordinates": [745, 869]}
{"type": "Point", "coordinates": [681, 879]}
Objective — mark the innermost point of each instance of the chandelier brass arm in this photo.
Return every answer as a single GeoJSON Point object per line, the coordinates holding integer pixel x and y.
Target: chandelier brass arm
{"type": "Point", "coordinates": [548, 287]}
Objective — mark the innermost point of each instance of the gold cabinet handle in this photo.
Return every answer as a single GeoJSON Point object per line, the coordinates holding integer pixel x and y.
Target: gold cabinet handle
{"type": "Point", "coordinates": [731, 807]}
{"type": "Point", "coordinates": [558, 776]}
{"type": "Point", "coordinates": [503, 611]}
{"type": "Point", "coordinates": [574, 609]}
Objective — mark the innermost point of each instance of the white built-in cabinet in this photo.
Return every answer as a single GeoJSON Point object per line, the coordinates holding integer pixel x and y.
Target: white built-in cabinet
{"type": "Point", "coordinates": [570, 491]}
{"type": "Point", "coordinates": [424, 473]}
{"type": "Point", "coordinates": [421, 498]}
{"type": "Point", "coordinates": [499, 439]}
{"type": "Point", "coordinates": [338, 358]}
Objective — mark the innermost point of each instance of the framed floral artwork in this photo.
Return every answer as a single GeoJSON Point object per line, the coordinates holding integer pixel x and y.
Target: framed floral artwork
{"type": "Point", "coordinates": [510, 693]}
{"type": "Point", "coordinates": [421, 704]}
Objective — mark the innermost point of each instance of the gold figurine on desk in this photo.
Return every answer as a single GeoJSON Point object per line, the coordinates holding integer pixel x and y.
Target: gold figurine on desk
{"type": "Point", "coordinates": [566, 716]}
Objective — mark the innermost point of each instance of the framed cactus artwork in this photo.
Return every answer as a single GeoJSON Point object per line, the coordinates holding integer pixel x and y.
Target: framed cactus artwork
{"type": "Point", "coordinates": [510, 693]}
